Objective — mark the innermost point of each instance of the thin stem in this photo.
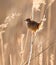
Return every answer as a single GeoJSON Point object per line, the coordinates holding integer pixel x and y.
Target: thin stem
{"type": "Point", "coordinates": [31, 45]}
{"type": "Point", "coordinates": [32, 13]}
{"type": "Point", "coordinates": [22, 49]}
{"type": "Point", "coordinates": [30, 54]}
{"type": "Point", "coordinates": [3, 61]}
{"type": "Point", "coordinates": [10, 59]}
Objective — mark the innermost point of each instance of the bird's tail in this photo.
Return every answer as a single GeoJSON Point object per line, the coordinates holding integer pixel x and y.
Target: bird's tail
{"type": "Point", "coordinates": [42, 22]}
{"type": "Point", "coordinates": [41, 26]}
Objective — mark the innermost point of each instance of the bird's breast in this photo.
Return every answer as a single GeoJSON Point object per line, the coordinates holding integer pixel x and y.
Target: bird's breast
{"type": "Point", "coordinates": [33, 26]}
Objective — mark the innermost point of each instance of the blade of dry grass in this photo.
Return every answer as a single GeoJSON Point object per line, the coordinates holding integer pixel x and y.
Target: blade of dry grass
{"type": "Point", "coordinates": [2, 48]}
{"type": "Point", "coordinates": [2, 26]}
{"type": "Point", "coordinates": [31, 47]}
{"type": "Point", "coordinates": [10, 59]}
{"type": "Point", "coordinates": [22, 49]}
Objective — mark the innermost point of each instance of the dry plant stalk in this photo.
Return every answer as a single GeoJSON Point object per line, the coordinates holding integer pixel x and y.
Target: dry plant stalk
{"type": "Point", "coordinates": [52, 59]}
{"type": "Point", "coordinates": [40, 49]}
{"type": "Point", "coordinates": [2, 46]}
{"type": "Point", "coordinates": [22, 49]}
{"type": "Point", "coordinates": [31, 46]}
{"type": "Point", "coordinates": [41, 55]}
{"type": "Point", "coordinates": [10, 59]}
{"type": "Point", "coordinates": [48, 33]}
{"type": "Point", "coordinates": [25, 46]}
{"type": "Point", "coordinates": [30, 54]}
{"type": "Point", "coordinates": [26, 39]}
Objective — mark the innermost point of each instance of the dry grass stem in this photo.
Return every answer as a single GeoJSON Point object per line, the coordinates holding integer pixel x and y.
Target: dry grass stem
{"type": "Point", "coordinates": [2, 48]}
{"type": "Point", "coordinates": [10, 59]}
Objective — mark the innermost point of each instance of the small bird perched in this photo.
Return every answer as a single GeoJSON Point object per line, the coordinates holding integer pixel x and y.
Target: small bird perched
{"type": "Point", "coordinates": [33, 25]}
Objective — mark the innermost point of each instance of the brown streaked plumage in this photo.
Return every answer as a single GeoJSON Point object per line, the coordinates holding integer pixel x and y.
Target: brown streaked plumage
{"type": "Point", "coordinates": [34, 26]}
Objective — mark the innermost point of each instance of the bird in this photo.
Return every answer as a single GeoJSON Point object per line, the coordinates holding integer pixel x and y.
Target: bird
{"type": "Point", "coordinates": [33, 25]}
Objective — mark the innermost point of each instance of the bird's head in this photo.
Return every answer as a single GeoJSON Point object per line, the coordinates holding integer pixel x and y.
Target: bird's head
{"type": "Point", "coordinates": [28, 20]}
